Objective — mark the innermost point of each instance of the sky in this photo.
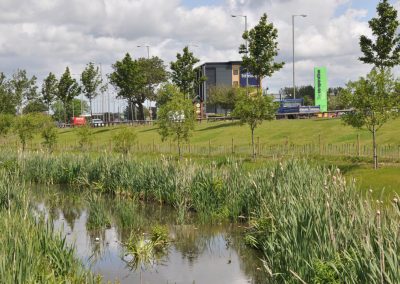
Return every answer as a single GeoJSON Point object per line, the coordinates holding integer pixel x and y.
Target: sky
{"type": "Point", "coordinates": [45, 36]}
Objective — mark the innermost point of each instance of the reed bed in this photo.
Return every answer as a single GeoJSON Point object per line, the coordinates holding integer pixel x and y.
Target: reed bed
{"type": "Point", "coordinates": [31, 252]}
{"type": "Point", "coordinates": [311, 225]}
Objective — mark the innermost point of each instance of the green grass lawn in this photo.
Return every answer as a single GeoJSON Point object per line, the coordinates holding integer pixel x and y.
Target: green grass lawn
{"type": "Point", "coordinates": [331, 131]}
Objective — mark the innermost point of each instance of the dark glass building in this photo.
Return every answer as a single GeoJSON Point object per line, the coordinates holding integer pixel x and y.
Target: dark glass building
{"type": "Point", "coordinates": [229, 73]}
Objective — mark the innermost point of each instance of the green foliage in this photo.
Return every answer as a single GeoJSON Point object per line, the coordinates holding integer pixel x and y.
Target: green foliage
{"type": "Point", "coordinates": [8, 102]}
{"type": "Point", "coordinates": [6, 121]}
{"type": "Point", "coordinates": [262, 49]}
{"type": "Point", "coordinates": [385, 51]}
{"type": "Point", "coordinates": [23, 88]}
{"type": "Point", "coordinates": [223, 96]}
{"type": "Point", "coordinates": [303, 92]}
{"type": "Point", "coordinates": [28, 125]}
{"type": "Point", "coordinates": [31, 250]}
{"type": "Point", "coordinates": [98, 217]}
{"type": "Point", "coordinates": [91, 83]}
{"type": "Point", "coordinates": [49, 134]}
{"type": "Point", "coordinates": [373, 100]}
{"type": "Point", "coordinates": [253, 109]}
{"type": "Point", "coordinates": [35, 105]}
{"type": "Point", "coordinates": [124, 140]}
{"type": "Point", "coordinates": [183, 73]}
{"type": "Point", "coordinates": [159, 236]}
{"type": "Point", "coordinates": [135, 80]}
{"type": "Point", "coordinates": [85, 136]}
{"type": "Point", "coordinates": [67, 90]}
{"type": "Point", "coordinates": [176, 118]}
{"type": "Point", "coordinates": [49, 90]}
{"type": "Point", "coordinates": [75, 108]}
{"type": "Point", "coordinates": [290, 206]}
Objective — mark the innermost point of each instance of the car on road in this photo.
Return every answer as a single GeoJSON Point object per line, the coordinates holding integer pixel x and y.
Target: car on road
{"type": "Point", "coordinates": [96, 122]}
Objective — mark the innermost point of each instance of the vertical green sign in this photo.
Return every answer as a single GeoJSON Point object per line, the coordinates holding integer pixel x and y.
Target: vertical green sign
{"type": "Point", "coordinates": [321, 88]}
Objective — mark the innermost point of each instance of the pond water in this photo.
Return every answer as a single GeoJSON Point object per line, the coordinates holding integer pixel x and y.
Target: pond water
{"type": "Point", "coordinates": [198, 252]}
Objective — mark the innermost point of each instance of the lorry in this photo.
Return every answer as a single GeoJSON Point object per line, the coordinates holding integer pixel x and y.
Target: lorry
{"type": "Point", "coordinates": [293, 108]}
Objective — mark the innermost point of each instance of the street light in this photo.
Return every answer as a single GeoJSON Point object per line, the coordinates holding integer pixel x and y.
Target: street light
{"type": "Point", "coordinates": [294, 82]}
{"type": "Point", "coordinates": [148, 49]}
{"type": "Point", "coordinates": [245, 29]}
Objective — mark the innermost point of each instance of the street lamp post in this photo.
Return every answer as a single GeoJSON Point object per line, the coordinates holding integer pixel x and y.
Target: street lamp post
{"type": "Point", "coordinates": [294, 82]}
{"type": "Point", "coordinates": [246, 45]}
{"type": "Point", "coordinates": [148, 50]}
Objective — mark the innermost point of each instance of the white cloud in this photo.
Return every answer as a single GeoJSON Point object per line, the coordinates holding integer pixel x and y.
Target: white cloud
{"type": "Point", "coordinates": [47, 35]}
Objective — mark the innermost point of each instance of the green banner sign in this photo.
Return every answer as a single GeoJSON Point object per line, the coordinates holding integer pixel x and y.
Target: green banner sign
{"type": "Point", "coordinates": [321, 88]}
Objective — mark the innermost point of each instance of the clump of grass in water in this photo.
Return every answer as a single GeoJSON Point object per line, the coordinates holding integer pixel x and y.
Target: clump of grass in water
{"type": "Point", "coordinates": [145, 252]}
{"type": "Point", "coordinates": [98, 214]}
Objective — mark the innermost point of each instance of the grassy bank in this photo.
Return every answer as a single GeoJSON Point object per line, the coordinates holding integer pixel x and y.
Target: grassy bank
{"type": "Point", "coordinates": [309, 222]}
{"type": "Point", "coordinates": [31, 252]}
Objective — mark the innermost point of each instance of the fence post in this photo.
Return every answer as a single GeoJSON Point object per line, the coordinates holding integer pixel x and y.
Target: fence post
{"type": "Point", "coordinates": [233, 147]}
{"type": "Point", "coordinates": [319, 142]}
{"type": "Point", "coordinates": [258, 146]}
{"type": "Point", "coordinates": [154, 150]}
{"type": "Point", "coordinates": [209, 147]}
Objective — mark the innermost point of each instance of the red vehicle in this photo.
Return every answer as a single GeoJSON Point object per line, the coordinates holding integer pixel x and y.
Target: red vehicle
{"type": "Point", "coordinates": [77, 121]}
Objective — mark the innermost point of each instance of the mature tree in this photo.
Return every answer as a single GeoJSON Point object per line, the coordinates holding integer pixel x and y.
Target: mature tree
{"type": "Point", "coordinates": [67, 90]}
{"type": "Point", "coordinates": [184, 75]}
{"type": "Point", "coordinates": [262, 49]}
{"type": "Point", "coordinates": [8, 102]}
{"type": "Point", "coordinates": [252, 109]}
{"type": "Point", "coordinates": [224, 96]}
{"type": "Point", "coordinates": [385, 50]}
{"type": "Point", "coordinates": [176, 118]}
{"type": "Point", "coordinates": [23, 88]}
{"type": "Point", "coordinates": [35, 105]}
{"type": "Point", "coordinates": [91, 83]}
{"type": "Point", "coordinates": [373, 100]}
{"type": "Point", "coordinates": [154, 72]}
{"type": "Point", "coordinates": [49, 90]}
{"type": "Point", "coordinates": [129, 81]}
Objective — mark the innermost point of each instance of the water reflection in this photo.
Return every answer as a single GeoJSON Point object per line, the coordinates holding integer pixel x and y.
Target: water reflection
{"type": "Point", "coordinates": [198, 253]}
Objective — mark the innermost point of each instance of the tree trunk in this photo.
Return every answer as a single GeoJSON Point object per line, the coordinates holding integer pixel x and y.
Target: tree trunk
{"type": "Point", "coordinates": [141, 111]}
{"type": "Point", "coordinates": [252, 143]}
{"type": "Point", "coordinates": [374, 147]}
{"type": "Point", "coordinates": [91, 112]}
{"type": "Point", "coordinates": [131, 104]}
{"type": "Point", "coordinates": [179, 147]}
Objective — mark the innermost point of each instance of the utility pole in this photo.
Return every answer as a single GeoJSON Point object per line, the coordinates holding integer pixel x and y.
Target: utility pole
{"type": "Point", "coordinates": [247, 49]}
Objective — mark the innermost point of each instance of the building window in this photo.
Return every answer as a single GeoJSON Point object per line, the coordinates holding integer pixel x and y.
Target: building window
{"type": "Point", "coordinates": [235, 72]}
{"type": "Point", "coordinates": [235, 83]}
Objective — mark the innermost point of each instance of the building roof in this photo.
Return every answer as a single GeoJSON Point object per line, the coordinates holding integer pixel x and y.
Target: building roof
{"type": "Point", "coordinates": [221, 63]}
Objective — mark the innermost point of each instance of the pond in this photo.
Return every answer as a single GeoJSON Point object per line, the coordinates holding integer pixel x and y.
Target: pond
{"type": "Point", "coordinates": [98, 228]}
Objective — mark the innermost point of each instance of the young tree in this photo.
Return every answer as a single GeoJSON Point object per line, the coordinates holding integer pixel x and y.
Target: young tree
{"type": "Point", "coordinates": [385, 50]}
{"type": "Point", "coordinates": [26, 126]}
{"type": "Point", "coordinates": [67, 90]}
{"type": "Point", "coordinates": [224, 96]}
{"type": "Point", "coordinates": [124, 140]}
{"type": "Point", "coordinates": [373, 100]}
{"type": "Point", "coordinates": [129, 81]}
{"type": "Point", "coordinates": [85, 136]}
{"type": "Point", "coordinates": [49, 133]}
{"type": "Point", "coordinates": [49, 90]}
{"type": "Point", "coordinates": [176, 118]}
{"type": "Point", "coordinates": [91, 82]}
{"type": "Point", "coordinates": [252, 110]}
{"type": "Point", "coordinates": [6, 121]}
{"type": "Point", "coordinates": [183, 73]}
{"type": "Point", "coordinates": [262, 49]}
